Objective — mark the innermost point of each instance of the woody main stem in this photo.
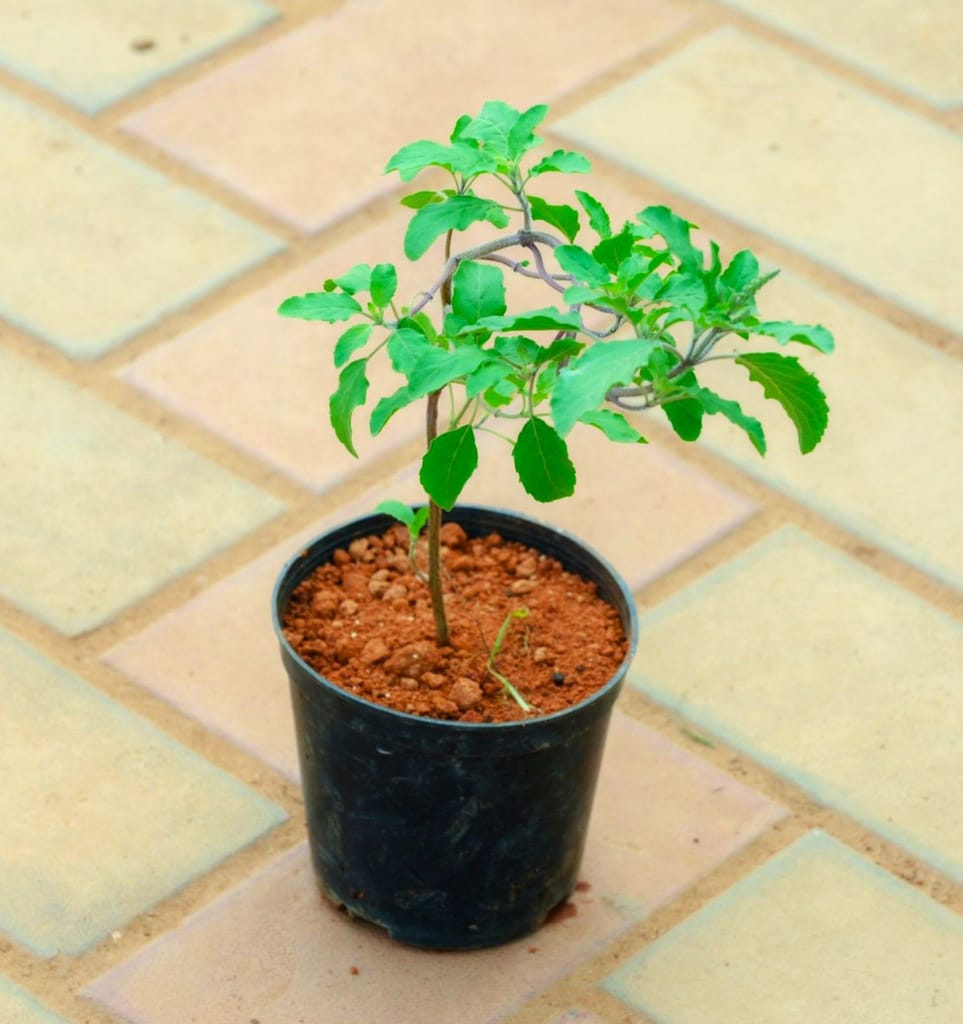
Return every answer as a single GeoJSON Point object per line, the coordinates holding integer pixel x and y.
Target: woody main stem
{"type": "Point", "coordinates": [434, 539]}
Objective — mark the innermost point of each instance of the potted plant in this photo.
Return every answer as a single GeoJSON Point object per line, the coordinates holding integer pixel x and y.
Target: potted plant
{"type": "Point", "coordinates": [449, 768]}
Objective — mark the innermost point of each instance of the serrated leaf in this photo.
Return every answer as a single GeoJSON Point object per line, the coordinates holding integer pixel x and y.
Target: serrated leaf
{"type": "Point", "coordinates": [717, 405]}
{"type": "Point", "coordinates": [684, 290]}
{"type": "Point", "coordinates": [384, 284]}
{"type": "Point", "coordinates": [613, 252]}
{"type": "Point", "coordinates": [448, 465]}
{"type": "Point", "coordinates": [597, 214]}
{"type": "Point", "coordinates": [563, 217]}
{"type": "Point", "coordinates": [542, 462]}
{"type": "Point", "coordinates": [573, 259]}
{"type": "Point", "coordinates": [478, 290]}
{"type": "Point", "coordinates": [458, 158]}
{"type": "Point", "coordinates": [522, 136]}
{"type": "Point", "coordinates": [614, 425]}
{"type": "Point", "coordinates": [743, 269]}
{"type": "Point", "coordinates": [351, 392]}
{"type": "Point", "coordinates": [386, 407]}
{"type": "Point", "coordinates": [436, 367]}
{"type": "Point", "coordinates": [785, 381]}
{"type": "Point", "coordinates": [327, 306]}
{"type": "Point", "coordinates": [675, 231]}
{"type": "Point", "coordinates": [784, 331]}
{"type": "Point", "coordinates": [547, 319]}
{"type": "Point", "coordinates": [353, 338]}
{"type": "Point", "coordinates": [454, 214]}
{"type": "Point", "coordinates": [583, 384]}
{"type": "Point", "coordinates": [563, 161]}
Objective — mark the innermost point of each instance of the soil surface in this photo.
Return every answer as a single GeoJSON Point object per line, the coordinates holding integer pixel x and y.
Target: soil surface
{"type": "Point", "coordinates": [364, 621]}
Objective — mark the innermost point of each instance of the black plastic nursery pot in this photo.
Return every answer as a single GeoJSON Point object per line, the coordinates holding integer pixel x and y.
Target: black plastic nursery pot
{"type": "Point", "coordinates": [448, 835]}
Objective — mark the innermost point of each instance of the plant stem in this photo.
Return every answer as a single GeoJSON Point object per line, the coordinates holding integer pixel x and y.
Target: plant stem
{"type": "Point", "coordinates": [442, 633]}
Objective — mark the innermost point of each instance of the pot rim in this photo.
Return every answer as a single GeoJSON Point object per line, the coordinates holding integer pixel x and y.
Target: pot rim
{"type": "Point", "coordinates": [369, 707]}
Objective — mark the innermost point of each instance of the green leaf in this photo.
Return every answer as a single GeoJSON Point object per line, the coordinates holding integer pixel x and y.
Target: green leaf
{"type": "Point", "coordinates": [353, 338]}
{"type": "Point", "coordinates": [582, 385]}
{"type": "Point", "coordinates": [436, 367]}
{"type": "Point", "coordinates": [562, 160]}
{"type": "Point", "coordinates": [328, 306]}
{"type": "Point", "coordinates": [454, 214]}
{"type": "Point", "coordinates": [478, 291]}
{"type": "Point", "coordinates": [561, 348]}
{"type": "Point", "coordinates": [576, 294]}
{"type": "Point", "coordinates": [384, 284]}
{"type": "Point", "coordinates": [487, 375]}
{"type": "Point", "coordinates": [614, 425]}
{"type": "Point", "coordinates": [662, 221]}
{"type": "Point", "coordinates": [785, 331]}
{"type": "Point", "coordinates": [517, 349]}
{"type": "Point", "coordinates": [785, 381]}
{"type": "Point", "coordinates": [685, 416]}
{"type": "Point", "coordinates": [684, 290]}
{"type": "Point", "coordinates": [352, 392]}
{"type": "Point", "coordinates": [583, 265]}
{"type": "Point", "coordinates": [716, 404]}
{"type": "Point", "coordinates": [386, 408]}
{"type": "Point", "coordinates": [404, 347]}
{"type": "Point", "coordinates": [597, 214]}
{"type": "Point", "coordinates": [563, 217]}
{"type": "Point", "coordinates": [448, 464]}
{"type": "Point", "coordinates": [547, 319]}
{"type": "Point", "coordinates": [357, 279]}
{"type": "Point", "coordinates": [457, 158]}
{"type": "Point", "coordinates": [613, 252]}
{"type": "Point", "coordinates": [542, 462]}
{"type": "Point", "coordinates": [743, 269]}
{"type": "Point", "coordinates": [416, 200]}
{"type": "Point", "coordinates": [522, 136]}
{"type": "Point", "coordinates": [397, 510]}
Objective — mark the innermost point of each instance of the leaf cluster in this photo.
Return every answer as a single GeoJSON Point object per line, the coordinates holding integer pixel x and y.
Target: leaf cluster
{"type": "Point", "coordinates": [633, 312]}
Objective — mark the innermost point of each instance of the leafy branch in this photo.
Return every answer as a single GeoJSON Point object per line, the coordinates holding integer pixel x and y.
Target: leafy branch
{"type": "Point", "coordinates": [548, 369]}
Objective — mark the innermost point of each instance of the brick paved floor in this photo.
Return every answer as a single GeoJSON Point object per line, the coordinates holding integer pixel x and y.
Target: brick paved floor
{"type": "Point", "coordinates": [778, 836]}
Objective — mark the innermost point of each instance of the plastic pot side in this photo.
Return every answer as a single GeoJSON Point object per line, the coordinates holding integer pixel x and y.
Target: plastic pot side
{"type": "Point", "coordinates": [449, 835]}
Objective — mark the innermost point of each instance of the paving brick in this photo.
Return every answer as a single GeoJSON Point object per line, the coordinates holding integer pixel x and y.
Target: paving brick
{"type": "Point", "coordinates": [95, 247]}
{"type": "Point", "coordinates": [297, 958]}
{"type": "Point", "coordinates": [229, 678]}
{"type": "Point", "coordinates": [829, 674]}
{"type": "Point", "coordinates": [103, 815]}
{"type": "Point", "coordinates": [913, 47]}
{"type": "Point", "coordinates": [263, 382]}
{"type": "Point", "coordinates": [281, 126]}
{"type": "Point", "coordinates": [117, 48]}
{"type": "Point", "coordinates": [794, 151]}
{"type": "Point", "coordinates": [19, 1007]}
{"type": "Point", "coordinates": [662, 819]}
{"type": "Point", "coordinates": [97, 510]}
{"type": "Point", "coordinates": [817, 933]}
{"type": "Point", "coordinates": [890, 459]}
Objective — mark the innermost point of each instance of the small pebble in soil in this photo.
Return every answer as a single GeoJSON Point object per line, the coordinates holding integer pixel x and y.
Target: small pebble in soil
{"type": "Point", "coordinates": [466, 693]}
{"type": "Point", "coordinates": [558, 678]}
